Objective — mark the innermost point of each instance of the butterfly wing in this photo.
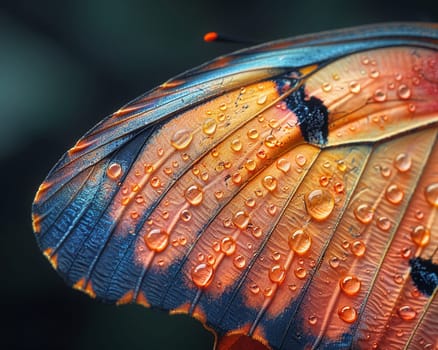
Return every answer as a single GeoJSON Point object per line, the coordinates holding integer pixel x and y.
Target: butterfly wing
{"type": "Point", "coordinates": [253, 189]}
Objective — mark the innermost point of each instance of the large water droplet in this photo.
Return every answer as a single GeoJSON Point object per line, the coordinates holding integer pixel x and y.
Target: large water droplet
{"type": "Point", "coordinates": [402, 162]}
{"type": "Point", "coordinates": [326, 87]}
{"type": "Point", "coordinates": [420, 235]}
{"type": "Point", "coordinates": [347, 314]}
{"type": "Point", "coordinates": [300, 159]}
{"type": "Point", "coordinates": [364, 213]}
{"type": "Point", "coordinates": [270, 141]}
{"type": "Point", "coordinates": [194, 195]}
{"type": "Point", "coordinates": [406, 312]}
{"type": "Point", "coordinates": [384, 223]}
{"type": "Point", "coordinates": [239, 261]}
{"type": "Point", "coordinates": [283, 165]}
{"type": "Point", "coordinates": [269, 182]}
{"type": "Point", "coordinates": [241, 219]}
{"type": "Point", "coordinates": [313, 320]}
{"type": "Point", "coordinates": [319, 204]}
{"type": "Point", "coordinates": [431, 193]}
{"type": "Point", "coordinates": [157, 240]}
{"type": "Point", "coordinates": [394, 194]}
{"type": "Point", "coordinates": [379, 95]}
{"type": "Point", "coordinates": [404, 92]}
{"type": "Point", "coordinates": [350, 285]}
{"type": "Point", "coordinates": [262, 99]}
{"type": "Point", "coordinates": [277, 273]}
{"type": "Point", "coordinates": [202, 275]}
{"type": "Point", "coordinates": [114, 171]}
{"type": "Point", "coordinates": [228, 245]}
{"type": "Point", "coordinates": [250, 165]}
{"type": "Point", "coordinates": [300, 242]}
{"type": "Point", "coordinates": [209, 126]}
{"type": "Point", "coordinates": [181, 139]}
{"type": "Point", "coordinates": [358, 248]}
{"type": "Point", "coordinates": [300, 272]}
{"type": "Point", "coordinates": [354, 87]}
{"type": "Point", "coordinates": [252, 134]}
{"type": "Point", "coordinates": [236, 145]}
{"type": "Point", "coordinates": [185, 215]}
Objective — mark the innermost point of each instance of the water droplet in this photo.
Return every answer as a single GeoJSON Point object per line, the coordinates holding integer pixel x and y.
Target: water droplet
{"type": "Point", "coordinates": [394, 194]}
{"type": "Point", "coordinates": [300, 159]}
{"type": "Point", "coordinates": [182, 240]}
{"type": "Point", "coordinates": [341, 165]}
{"type": "Point", "coordinates": [350, 285]}
{"type": "Point", "coordinates": [268, 292]}
{"type": "Point", "coordinates": [324, 181]}
{"type": "Point", "coordinates": [292, 287]}
{"type": "Point", "coordinates": [398, 76]}
{"type": "Point", "coordinates": [385, 171]}
{"type": "Point", "coordinates": [270, 141]}
{"type": "Point", "coordinates": [364, 213]}
{"type": "Point", "coordinates": [300, 272]}
{"type": "Point", "coordinates": [262, 99]}
{"type": "Point", "coordinates": [236, 145]}
{"type": "Point", "coordinates": [365, 60]}
{"type": "Point", "coordinates": [283, 165]}
{"type": "Point", "coordinates": [270, 183]}
{"type": "Point", "coordinates": [114, 171]}
{"type": "Point", "coordinates": [202, 275]}
{"type": "Point", "coordinates": [384, 223]}
{"type": "Point", "coordinates": [419, 214]}
{"type": "Point", "coordinates": [185, 215]}
{"type": "Point", "coordinates": [194, 195]}
{"type": "Point", "coordinates": [271, 209]}
{"type": "Point", "coordinates": [160, 151]}
{"type": "Point", "coordinates": [347, 314]}
{"type": "Point", "coordinates": [219, 194]}
{"type": "Point", "coordinates": [404, 92]}
{"type": "Point", "coordinates": [250, 165]}
{"type": "Point", "coordinates": [345, 244]}
{"type": "Point", "coordinates": [398, 278]}
{"type": "Point", "coordinates": [379, 95]}
{"type": "Point", "coordinates": [420, 235]}
{"type": "Point", "coordinates": [276, 256]}
{"type": "Point", "coordinates": [312, 320]}
{"type": "Point", "coordinates": [209, 126]}
{"type": "Point", "coordinates": [201, 257]}
{"type": "Point", "coordinates": [228, 245]}
{"type": "Point", "coordinates": [223, 107]}
{"type": "Point", "coordinates": [155, 182]}
{"type": "Point", "coordinates": [261, 154]}
{"type": "Point", "coordinates": [326, 87]}
{"type": "Point", "coordinates": [214, 153]}
{"type": "Point", "coordinates": [252, 134]}
{"type": "Point", "coordinates": [406, 252]}
{"type": "Point", "coordinates": [241, 219]}
{"type": "Point", "coordinates": [237, 178]}
{"type": "Point", "coordinates": [406, 312]}
{"type": "Point", "coordinates": [402, 162]}
{"type": "Point", "coordinates": [239, 261]}
{"type": "Point", "coordinates": [134, 215]}
{"type": "Point", "coordinates": [358, 248]}
{"type": "Point", "coordinates": [216, 246]}
{"type": "Point", "coordinates": [157, 240]}
{"type": "Point", "coordinates": [277, 273]}
{"type": "Point", "coordinates": [300, 242]}
{"type": "Point", "coordinates": [431, 193]}
{"type": "Point", "coordinates": [374, 73]}
{"type": "Point", "coordinates": [254, 288]}
{"type": "Point", "coordinates": [338, 187]}
{"type": "Point", "coordinates": [139, 199]}
{"type": "Point", "coordinates": [181, 139]}
{"type": "Point", "coordinates": [354, 87]}
{"type": "Point", "coordinates": [319, 204]}
{"type": "Point", "coordinates": [334, 262]}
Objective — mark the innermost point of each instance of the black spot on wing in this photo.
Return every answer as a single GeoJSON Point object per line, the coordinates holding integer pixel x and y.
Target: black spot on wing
{"type": "Point", "coordinates": [424, 273]}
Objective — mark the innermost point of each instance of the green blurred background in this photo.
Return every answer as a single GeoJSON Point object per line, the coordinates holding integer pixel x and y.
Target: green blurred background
{"type": "Point", "coordinates": [64, 65]}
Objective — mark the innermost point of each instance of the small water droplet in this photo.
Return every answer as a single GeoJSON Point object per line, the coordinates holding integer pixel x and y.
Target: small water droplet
{"type": "Point", "coordinates": [155, 182]}
{"type": "Point", "coordinates": [181, 139]}
{"type": "Point", "coordinates": [236, 178]}
{"type": "Point", "coordinates": [319, 204]}
{"type": "Point", "coordinates": [160, 151]}
{"type": "Point", "coordinates": [292, 287]}
{"type": "Point", "coordinates": [402, 162]}
{"type": "Point", "coordinates": [261, 154]}
{"type": "Point", "coordinates": [157, 240]}
{"type": "Point", "coordinates": [276, 256]}
{"type": "Point", "coordinates": [300, 159]}
{"type": "Point", "coordinates": [379, 95]}
{"type": "Point", "coordinates": [114, 171]}
{"type": "Point", "coordinates": [334, 262]}
{"type": "Point", "coordinates": [139, 199]}
{"type": "Point", "coordinates": [216, 246]}
{"type": "Point", "coordinates": [374, 73]}
{"type": "Point", "coordinates": [252, 134]}
{"type": "Point", "coordinates": [241, 219]}
{"type": "Point", "coordinates": [271, 209]}
{"type": "Point", "coordinates": [385, 171]}
{"type": "Point", "coordinates": [338, 187]}
{"type": "Point", "coordinates": [394, 194]}
{"type": "Point", "coordinates": [420, 235]}
{"type": "Point", "coordinates": [148, 168]}
{"type": "Point", "coordinates": [269, 182]}
{"type": "Point", "coordinates": [262, 99]}
{"type": "Point", "coordinates": [406, 312]}
{"type": "Point", "coordinates": [134, 215]}
{"type": "Point", "coordinates": [358, 248]}
{"type": "Point", "coordinates": [324, 181]}
{"type": "Point", "coordinates": [300, 242]}
{"type": "Point", "coordinates": [201, 257]}
{"type": "Point", "coordinates": [228, 245]}
{"type": "Point", "coordinates": [350, 285]}
{"type": "Point", "coordinates": [236, 145]}
{"type": "Point", "coordinates": [312, 320]}
{"type": "Point", "coordinates": [256, 232]}
{"type": "Point", "coordinates": [300, 272]}
{"type": "Point", "coordinates": [354, 87]}
{"type": "Point", "coordinates": [277, 274]}
{"type": "Point", "coordinates": [194, 195]}
{"type": "Point", "coordinates": [250, 165]}
{"type": "Point", "coordinates": [214, 153]}
{"type": "Point", "coordinates": [202, 275]}
{"type": "Point", "coordinates": [398, 278]}
{"type": "Point", "coordinates": [326, 87]}
{"type": "Point", "coordinates": [254, 288]}
{"type": "Point", "coordinates": [431, 193]}
{"type": "Point", "coordinates": [268, 292]}
{"type": "Point", "coordinates": [404, 92]}
{"type": "Point", "coordinates": [270, 141]}
{"type": "Point", "coordinates": [341, 165]}
{"type": "Point", "coordinates": [364, 213]}
{"type": "Point", "coordinates": [209, 126]}
{"type": "Point", "coordinates": [419, 214]}
{"type": "Point", "coordinates": [283, 165]}
{"type": "Point", "coordinates": [384, 223]}
{"type": "Point", "coordinates": [347, 314]}
{"type": "Point", "coordinates": [185, 215]}
{"type": "Point", "coordinates": [239, 261]}
{"type": "Point", "coordinates": [406, 252]}
{"type": "Point", "coordinates": [223, 107]}
{"type": "Point", "coordinates": [219, 194]}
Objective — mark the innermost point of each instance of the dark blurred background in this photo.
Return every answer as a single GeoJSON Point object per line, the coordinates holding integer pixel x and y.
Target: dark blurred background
{"type": "Point", "coordinates": [64, 65]}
